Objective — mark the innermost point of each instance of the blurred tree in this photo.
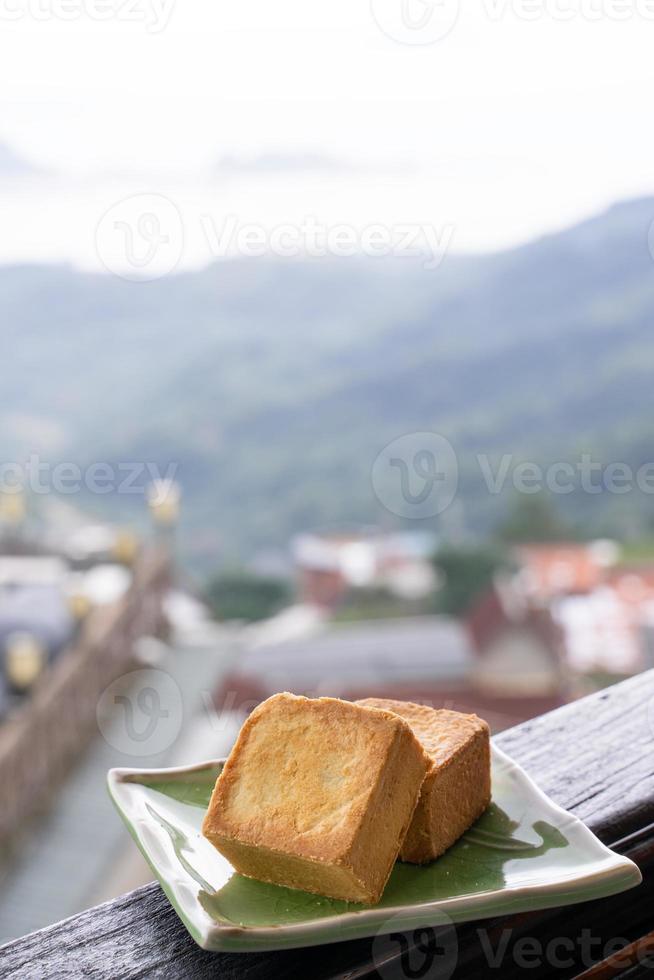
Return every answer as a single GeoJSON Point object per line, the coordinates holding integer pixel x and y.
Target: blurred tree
{"type": "Point", "coordinates": [466, 572]}
{"type": "Point", "coordinates": [533, 517]}
{"type": "Point", "coordinates": [242, 595]}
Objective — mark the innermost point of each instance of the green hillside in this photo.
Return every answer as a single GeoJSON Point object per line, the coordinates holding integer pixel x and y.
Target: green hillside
{"type": "Point", "coordinates": [273, 384]}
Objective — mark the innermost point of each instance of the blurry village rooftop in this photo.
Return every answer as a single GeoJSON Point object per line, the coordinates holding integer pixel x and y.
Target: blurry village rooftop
{"type": "Point", "coordinates": [565, 619]}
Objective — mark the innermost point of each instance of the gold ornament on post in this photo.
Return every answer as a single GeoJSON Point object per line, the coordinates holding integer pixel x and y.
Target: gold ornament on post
{"type": "Point", "coordinates": [13, 507]}
{"type": "Point", "coordinates": [163, 500]}
{"type": "Point", "coordinates": [25, 658]}
{"type": "Point", "coordinates": [125, 547]}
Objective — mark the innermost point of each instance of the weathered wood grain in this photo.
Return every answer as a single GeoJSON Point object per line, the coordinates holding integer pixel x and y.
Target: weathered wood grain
{"type": "Point", "coordinates": [595, 757]}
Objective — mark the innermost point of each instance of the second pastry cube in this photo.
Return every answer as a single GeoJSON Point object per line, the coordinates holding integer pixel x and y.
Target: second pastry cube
{"type": "Point", "coordinates": [457, 789]}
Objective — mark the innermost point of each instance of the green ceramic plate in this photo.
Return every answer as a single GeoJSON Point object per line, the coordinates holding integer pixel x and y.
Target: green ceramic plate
{"type": "Point", "coordinates": [524, 853]}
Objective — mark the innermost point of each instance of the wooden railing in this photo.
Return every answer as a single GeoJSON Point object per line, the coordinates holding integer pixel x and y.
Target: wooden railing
{"type": "Point", "coordinates": [43, 738]}
{"type": "Point", "coordinates": [595, 757]}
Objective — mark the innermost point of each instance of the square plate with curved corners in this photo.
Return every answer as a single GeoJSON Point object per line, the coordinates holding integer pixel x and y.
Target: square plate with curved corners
{"type": "Point", "coordinates": [524, 853]}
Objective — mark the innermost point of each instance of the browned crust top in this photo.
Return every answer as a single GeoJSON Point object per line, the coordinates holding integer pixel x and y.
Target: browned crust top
{"type": "Point", "coordinates": [442, 733]}
{"type": "Point", "coordinates": [301, 774]}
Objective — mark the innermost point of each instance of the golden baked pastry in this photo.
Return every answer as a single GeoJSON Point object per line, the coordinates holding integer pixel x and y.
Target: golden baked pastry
{"type": "Point", "coordinates": [317, 794]}
{"type": "Point", "coordinates": [457, 788]}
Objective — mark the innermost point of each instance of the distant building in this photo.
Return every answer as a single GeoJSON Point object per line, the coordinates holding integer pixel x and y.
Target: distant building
{"type": "Point", "coordinates": [518, 645]}
{"type": "Point", "coordinates": [570, 610]}
{"type": "Point", "coordinates": [568, 568]}
{"type": "Point", "coordinates": [329, 566]}
{"type": "Point", "coordinates": [610, 630]}
{"type": "Point", "coordinates": [427, 659]}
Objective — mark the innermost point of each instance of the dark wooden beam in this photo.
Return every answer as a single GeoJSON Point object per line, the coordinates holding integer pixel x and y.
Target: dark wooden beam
{"type": "Point", "coordinates": [595, 757]}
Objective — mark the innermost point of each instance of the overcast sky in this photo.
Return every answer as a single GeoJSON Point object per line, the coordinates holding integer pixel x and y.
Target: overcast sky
{"type": "Point", "coordinates": [505, 127]}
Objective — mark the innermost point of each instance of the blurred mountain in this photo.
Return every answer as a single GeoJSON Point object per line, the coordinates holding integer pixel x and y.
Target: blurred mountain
{"type": "Point", "coordinates": [12, 165]}
{"type": "Point", "coordinates": [273, 384]}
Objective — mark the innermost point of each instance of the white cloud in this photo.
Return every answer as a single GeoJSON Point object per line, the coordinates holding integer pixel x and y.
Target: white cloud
{"type": "Point", "coordinates": [506, 127]}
